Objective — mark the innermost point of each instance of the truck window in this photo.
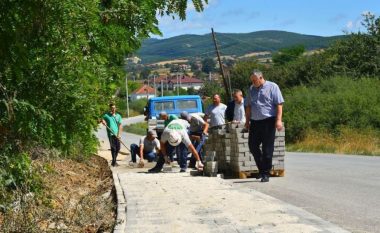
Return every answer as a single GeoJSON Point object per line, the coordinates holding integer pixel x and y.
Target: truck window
{"type": "Point", "coordinates": [163, 106]}
{"type": "Point", "coordinates": [186, 104]}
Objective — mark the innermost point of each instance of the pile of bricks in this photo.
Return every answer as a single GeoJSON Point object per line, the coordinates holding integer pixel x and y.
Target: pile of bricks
{"type": "Point", "coordinates": [232, 149]}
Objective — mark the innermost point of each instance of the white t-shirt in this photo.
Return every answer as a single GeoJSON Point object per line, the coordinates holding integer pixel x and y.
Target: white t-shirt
{"type": "Point", "coordinates": [216, 114]}
{"type": "Point", "coordinates": [181, 127]}
{"type": "Point", "coordinates": [239, 112]}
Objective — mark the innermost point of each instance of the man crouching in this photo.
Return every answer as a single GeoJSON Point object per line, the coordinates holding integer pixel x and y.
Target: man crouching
{"type": "Point", "coordinates": [175, 134]}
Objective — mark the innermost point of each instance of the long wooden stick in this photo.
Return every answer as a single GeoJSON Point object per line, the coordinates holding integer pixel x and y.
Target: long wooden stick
{"type": "Point", "coordinates": [116, 136]}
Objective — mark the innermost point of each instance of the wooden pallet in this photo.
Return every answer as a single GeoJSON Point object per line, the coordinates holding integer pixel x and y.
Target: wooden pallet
{"type": "Point", "coordinates": [250, 174]}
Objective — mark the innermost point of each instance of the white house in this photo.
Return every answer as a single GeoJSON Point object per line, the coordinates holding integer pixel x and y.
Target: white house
{"type": "Point", "coordinates": [143, 92]}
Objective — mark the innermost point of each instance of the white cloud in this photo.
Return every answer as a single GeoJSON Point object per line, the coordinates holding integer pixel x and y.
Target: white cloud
{"type": "Point", "coordinates": [350, 25]}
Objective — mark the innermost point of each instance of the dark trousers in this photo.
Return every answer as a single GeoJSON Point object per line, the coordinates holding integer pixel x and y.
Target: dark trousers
{"type": "Point", "coordinates": [263, 133]}
{"type": "Point", "coordinates": [135, 150]}
{"type": "Point", "coordinates": [198, 146]}
{"type": "Point", "coordinates": [181, 151]}
{"type": "Point", "coordinates": [115, 148]}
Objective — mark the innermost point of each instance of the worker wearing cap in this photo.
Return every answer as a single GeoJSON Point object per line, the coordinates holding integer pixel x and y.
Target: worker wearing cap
{"type": "Point", "coordinates": [198, 131]}
{"type": "Point", "coordinates": [175, 134]}
{"type": "Point", "coordinates": [167, 118]}
{"type": "Point", "coordinates": [147, 149]}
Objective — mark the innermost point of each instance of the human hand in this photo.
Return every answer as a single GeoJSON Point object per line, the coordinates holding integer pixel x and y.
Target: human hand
{"type": "Point", "coordinates": [279, 125]}
{"type": "Point", "coordinates": [141, 163]}
{"type": "Point", "coordinates": [247, 125]}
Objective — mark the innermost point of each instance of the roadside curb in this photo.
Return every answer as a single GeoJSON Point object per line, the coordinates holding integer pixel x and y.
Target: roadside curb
{"type": "Point", "coordinates": [121, 205]}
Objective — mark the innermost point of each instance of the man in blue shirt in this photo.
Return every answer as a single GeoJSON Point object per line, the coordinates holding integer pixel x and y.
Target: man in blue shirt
{"type": "Point", "coordinates": [264, 116]}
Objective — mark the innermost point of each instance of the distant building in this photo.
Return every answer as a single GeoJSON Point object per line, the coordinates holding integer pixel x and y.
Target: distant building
{"type": "Point", "coordinates": [143, 92]}
{"type": "Point", "coordinates": [185, 82]}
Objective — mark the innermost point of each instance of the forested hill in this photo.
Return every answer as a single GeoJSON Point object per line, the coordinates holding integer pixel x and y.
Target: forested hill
{"type": "Point", "coordinates": [154, 50]}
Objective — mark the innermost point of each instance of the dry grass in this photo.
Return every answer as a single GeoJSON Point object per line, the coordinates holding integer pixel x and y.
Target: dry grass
{"type": "Point", "coordinates": [73, 200]}
{"type": "Point", "coordinates": [348, 141]}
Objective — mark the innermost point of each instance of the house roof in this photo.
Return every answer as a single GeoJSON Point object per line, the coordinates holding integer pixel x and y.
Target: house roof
{"type": "Point", "coordinates": [145, 89]}
{"type": "Point", "coordinates": [188, 79]}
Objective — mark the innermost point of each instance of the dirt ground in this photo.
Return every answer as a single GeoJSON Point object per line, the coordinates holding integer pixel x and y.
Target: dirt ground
{"type": "Point", "coordinates": [77, 197]}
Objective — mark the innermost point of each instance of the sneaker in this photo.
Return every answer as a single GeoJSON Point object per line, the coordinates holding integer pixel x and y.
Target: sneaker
{"type": "Point", "coordinates": [199, 165]}
{"type": "Point", "coordinates": [154, 170]}
{"type": "Point", "coordinates": [265, 179]}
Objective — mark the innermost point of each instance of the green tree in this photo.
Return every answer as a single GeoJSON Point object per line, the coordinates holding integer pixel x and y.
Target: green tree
{"type": "Point", "coordinates": [61, 61]}
{"type": "Point", "coordinates": [208, 65]}
{"type": "Point", "coordinates": [241, 72]}
{"type": "Point", "coordinates": [359, 54]}
{"type": "Point", "coordinates": [286, 55]}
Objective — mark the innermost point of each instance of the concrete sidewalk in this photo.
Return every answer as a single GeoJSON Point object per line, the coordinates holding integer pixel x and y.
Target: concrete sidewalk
{"type": "Point", "coordinates": [179, 202]}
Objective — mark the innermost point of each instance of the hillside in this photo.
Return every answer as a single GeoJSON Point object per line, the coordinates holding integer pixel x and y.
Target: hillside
{"type": "Point", "coordinates": [185, 46]}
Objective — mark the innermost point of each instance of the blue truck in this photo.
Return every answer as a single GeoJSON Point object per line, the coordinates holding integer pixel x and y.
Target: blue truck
{"type": "Point", "coordinates": [173, 105]}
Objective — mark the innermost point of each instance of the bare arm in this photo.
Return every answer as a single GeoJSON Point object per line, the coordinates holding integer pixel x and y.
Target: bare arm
{"type": "Point", "coordinates": [194, 152]}
{"type": "Point", "coordinates": [120, 130]}
{"type": "Point", "coordinates": [205, 128]}
{"type": "Point", "coordinates": [247, 116]}
{"type": "Point", "coordinates": [141, 151]}
{"type": "Point", "coordinates": [279, 117]}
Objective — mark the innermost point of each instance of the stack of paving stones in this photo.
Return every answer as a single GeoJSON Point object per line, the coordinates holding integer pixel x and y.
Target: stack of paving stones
{"type": "Point", "coordinates": [232, 149]}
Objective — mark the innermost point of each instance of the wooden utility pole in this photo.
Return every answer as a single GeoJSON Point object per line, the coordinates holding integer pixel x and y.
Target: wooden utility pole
{"type": "Point", "coordinates": [221, 66]}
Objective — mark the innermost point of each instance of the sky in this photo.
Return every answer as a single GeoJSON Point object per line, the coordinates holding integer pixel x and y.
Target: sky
{"type": "Point", "coordinates": [312, 17]}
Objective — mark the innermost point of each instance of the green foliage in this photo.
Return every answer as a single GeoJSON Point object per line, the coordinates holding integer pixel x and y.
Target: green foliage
{"type": "Point", "coordinates": [61, 62]}
{"type": "Point", "coordinates": [339, 101]}
{"type": "Point", "coordinates": [360, 53]}
{"type": "Point", "coordinates": [241, 72]}
{"type": "Point", "coordinates": [286, 55]}
{"type": "Point", "coordinates": [138, 128]}
{"type": "Point", "coordinates": [208, 65]}
{"type": "Point", "coordinates": [138, 105]}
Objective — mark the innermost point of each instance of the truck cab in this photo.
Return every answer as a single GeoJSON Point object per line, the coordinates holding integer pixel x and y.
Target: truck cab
{"type": "Point", "coordinates": [172, 105]}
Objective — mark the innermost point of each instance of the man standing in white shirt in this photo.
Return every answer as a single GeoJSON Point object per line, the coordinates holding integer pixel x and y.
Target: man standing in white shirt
{"type": "Point", "coordinates": [216, 112]}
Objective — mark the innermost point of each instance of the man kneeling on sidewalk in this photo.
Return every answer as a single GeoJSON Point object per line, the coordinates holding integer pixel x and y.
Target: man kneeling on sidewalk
{"type": "Point", "coordinates": [175, 134]}
{"type": "Point", "coordinates": [149, 145]}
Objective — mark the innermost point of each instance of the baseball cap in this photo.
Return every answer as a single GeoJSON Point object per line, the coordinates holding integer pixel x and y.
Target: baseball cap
{"type": "Point", "coordinates": [152, 132]}
{"type": "Point", "coordinates": [185, 115]}
{"type": "Point", "coordinates": [174, 138]}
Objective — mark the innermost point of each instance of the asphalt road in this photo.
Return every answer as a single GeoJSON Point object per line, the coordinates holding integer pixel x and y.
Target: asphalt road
{"type": "Point", "coordinates": [342, 189]}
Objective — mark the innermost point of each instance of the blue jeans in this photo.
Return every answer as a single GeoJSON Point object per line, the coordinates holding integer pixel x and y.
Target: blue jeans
{"type": "Point", "coordinates": [198, 146]}
{"type": "Point", "coordinates": [135, 150]}
{"type": "Point", "coordinates": [181, 152]}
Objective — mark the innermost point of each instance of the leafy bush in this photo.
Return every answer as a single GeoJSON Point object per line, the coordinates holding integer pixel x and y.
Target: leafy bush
{"type": "Point", "coordinates": [138, 128]}
{"type": "Point", "coordinates": [138, 105]}
{"type": "Point", "coordinates": [336, 102]}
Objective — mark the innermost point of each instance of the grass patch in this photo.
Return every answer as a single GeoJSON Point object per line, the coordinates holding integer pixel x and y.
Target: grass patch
{"type": "Point", "coordinates": [346, 141]}
{"type": "Point", "coordinates": [138, 128]}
